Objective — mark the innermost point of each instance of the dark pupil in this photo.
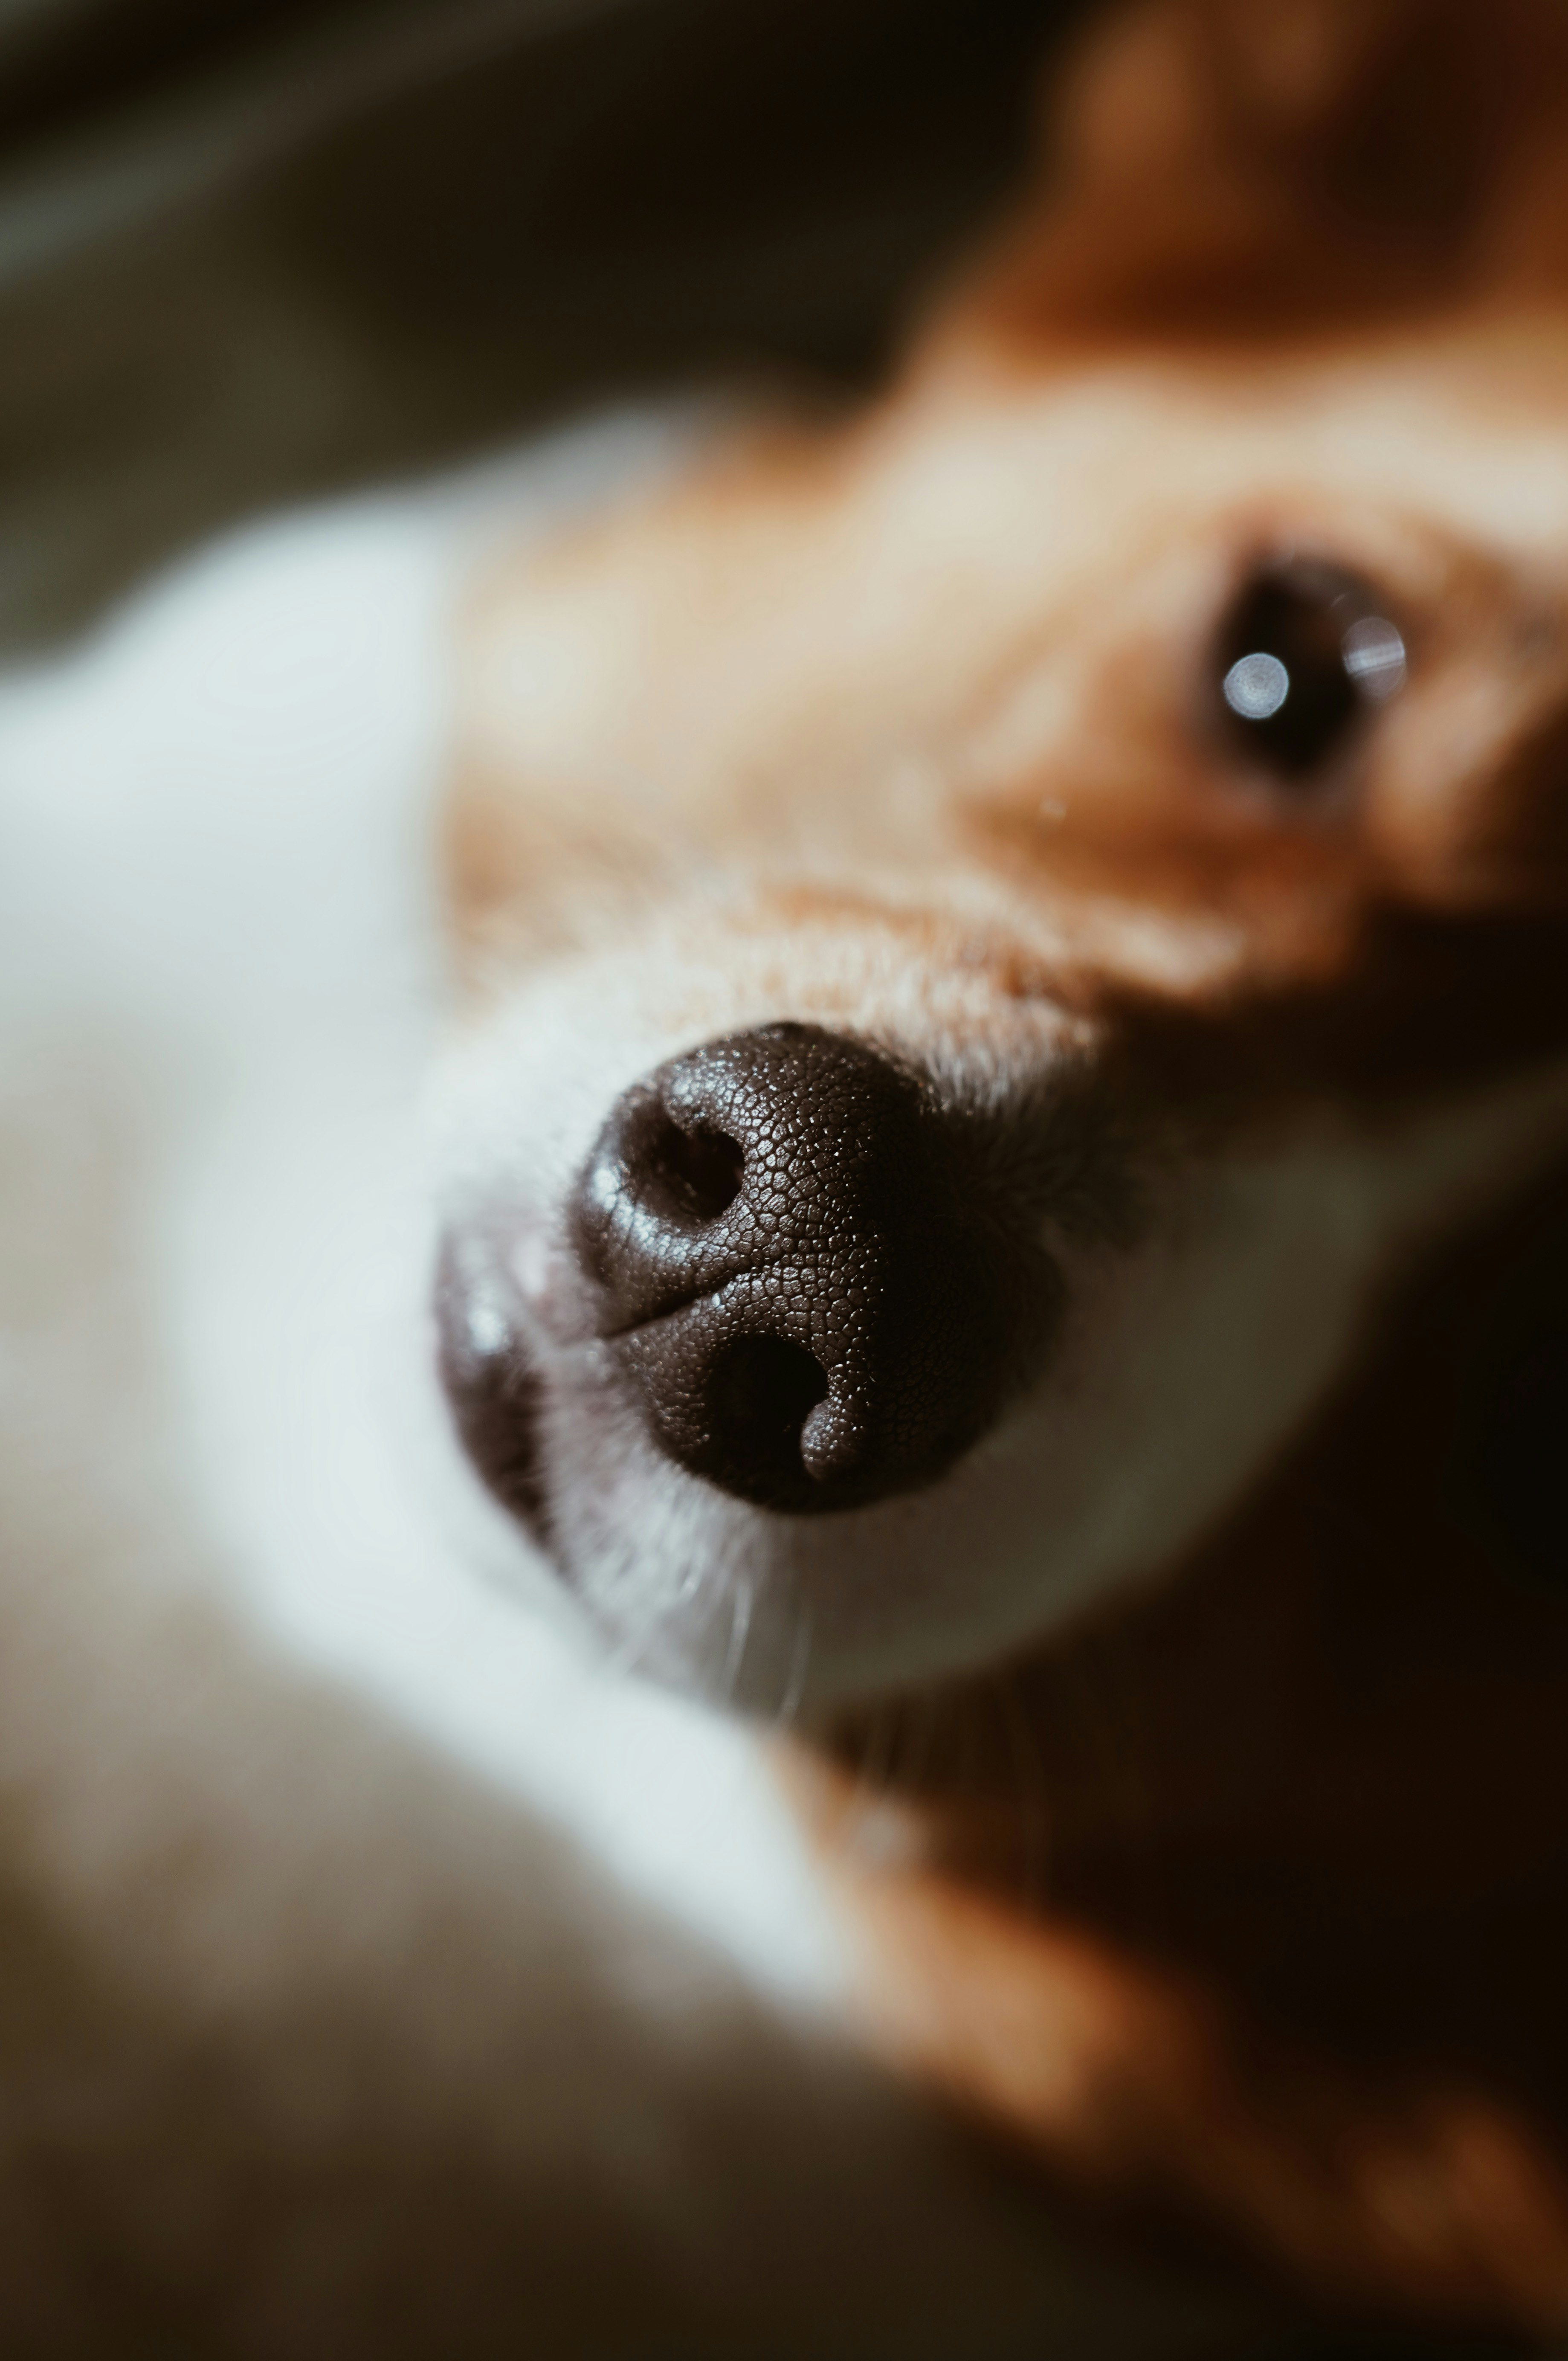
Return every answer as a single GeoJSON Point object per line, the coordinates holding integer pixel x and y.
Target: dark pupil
{"type": "Point", "coordinates": [1285, 687]}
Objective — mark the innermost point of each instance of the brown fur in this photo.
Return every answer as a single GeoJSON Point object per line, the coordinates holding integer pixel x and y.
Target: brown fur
{"type": "Point", "coordinates": [1244, 1906]}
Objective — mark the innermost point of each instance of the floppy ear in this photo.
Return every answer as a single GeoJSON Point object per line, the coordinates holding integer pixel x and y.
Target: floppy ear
{"type": "Point", "coordinates": [1245, 167]}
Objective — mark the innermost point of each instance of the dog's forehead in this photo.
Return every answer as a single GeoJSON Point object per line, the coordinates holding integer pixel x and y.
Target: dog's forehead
{"type": "Point", "coordinates": [990, 609]}
{"type": "Point", "coordinates": [1458, 423]}
{"type": "Point", "coordinates": [793, 591]}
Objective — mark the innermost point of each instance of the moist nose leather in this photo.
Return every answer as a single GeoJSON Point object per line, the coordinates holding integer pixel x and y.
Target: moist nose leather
{"type": "Point", "coordinates": [801, 1272]}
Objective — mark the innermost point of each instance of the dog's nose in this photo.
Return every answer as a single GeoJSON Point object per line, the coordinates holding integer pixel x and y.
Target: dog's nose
{"type": "Point", "coordinates": [816, 1295]}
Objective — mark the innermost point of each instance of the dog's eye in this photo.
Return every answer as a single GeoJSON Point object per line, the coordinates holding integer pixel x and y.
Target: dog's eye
{"type": "Point", "coordinates": [1303, 656]}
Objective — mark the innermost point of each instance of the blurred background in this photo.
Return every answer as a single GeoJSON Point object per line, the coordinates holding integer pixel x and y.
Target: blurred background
{"type": "Point", "coordinates": [254, 251]}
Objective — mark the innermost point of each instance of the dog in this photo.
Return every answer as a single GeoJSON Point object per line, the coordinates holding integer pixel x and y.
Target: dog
{"type": "Point", "coordinates": [990, 1203]}
{"type": "Point", "coordinates": [376, 1976]}
{"type": "Point", "coordinates": [999, 1181]}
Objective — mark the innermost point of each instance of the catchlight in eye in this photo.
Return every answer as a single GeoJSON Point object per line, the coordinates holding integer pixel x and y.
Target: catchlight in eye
{"type": "Point", "coordinates": [1303, 657]}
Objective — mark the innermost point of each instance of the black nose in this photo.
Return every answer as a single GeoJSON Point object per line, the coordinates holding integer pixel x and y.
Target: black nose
{"type": "Point", "coordinates": [816, 1292]}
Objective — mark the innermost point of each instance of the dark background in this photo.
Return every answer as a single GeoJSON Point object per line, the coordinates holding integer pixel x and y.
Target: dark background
{"type": "Point", "coordinates": [254, 250]}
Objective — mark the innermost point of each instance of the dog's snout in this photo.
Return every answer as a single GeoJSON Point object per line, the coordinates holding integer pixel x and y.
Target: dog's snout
{"type": "Point", "coordinates": [799, 1267]}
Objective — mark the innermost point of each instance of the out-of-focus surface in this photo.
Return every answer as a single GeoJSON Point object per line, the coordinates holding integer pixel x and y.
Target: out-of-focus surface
{"type": "Point", "coordinates": [251, 254]}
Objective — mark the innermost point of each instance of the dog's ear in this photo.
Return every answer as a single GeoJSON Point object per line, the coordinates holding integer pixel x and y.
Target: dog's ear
{"type": "Point", "coordinates": [1238, 168]}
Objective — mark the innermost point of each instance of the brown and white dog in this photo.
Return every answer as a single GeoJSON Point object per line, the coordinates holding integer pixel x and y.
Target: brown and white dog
{"type": "Point", "coordinates": [999, 1188]}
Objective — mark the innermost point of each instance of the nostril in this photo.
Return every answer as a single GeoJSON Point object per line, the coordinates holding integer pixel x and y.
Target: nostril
{"type": "Point", "coordinates": [766, 1384]}
{"type": "Point", "coordinates": [760, 1390]}
{"type": "Point", "coordinates": [647, 1215]}
{"type": "Point", "coordinates": [690, 1176]}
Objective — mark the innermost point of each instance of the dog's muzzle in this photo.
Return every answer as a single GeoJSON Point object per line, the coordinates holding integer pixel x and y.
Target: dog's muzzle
{"type": "Point", "coordinates": [802, 1268]}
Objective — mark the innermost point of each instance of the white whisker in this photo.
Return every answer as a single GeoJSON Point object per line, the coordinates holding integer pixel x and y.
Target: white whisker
{"type": "Point", "coordinates": [740, 1632]}
{"type": "Point", "coordinates": [799, 1663]}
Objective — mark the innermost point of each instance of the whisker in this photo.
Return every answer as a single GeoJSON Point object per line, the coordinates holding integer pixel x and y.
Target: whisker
{"type": "Point", "coordinates": [799, 1661]}
{"type": "Point", "coordinates": [740, 1599]}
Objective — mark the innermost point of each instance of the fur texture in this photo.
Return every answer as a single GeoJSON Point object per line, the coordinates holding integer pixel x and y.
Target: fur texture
{"type": "Point", "coordinates": [917, 728]}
